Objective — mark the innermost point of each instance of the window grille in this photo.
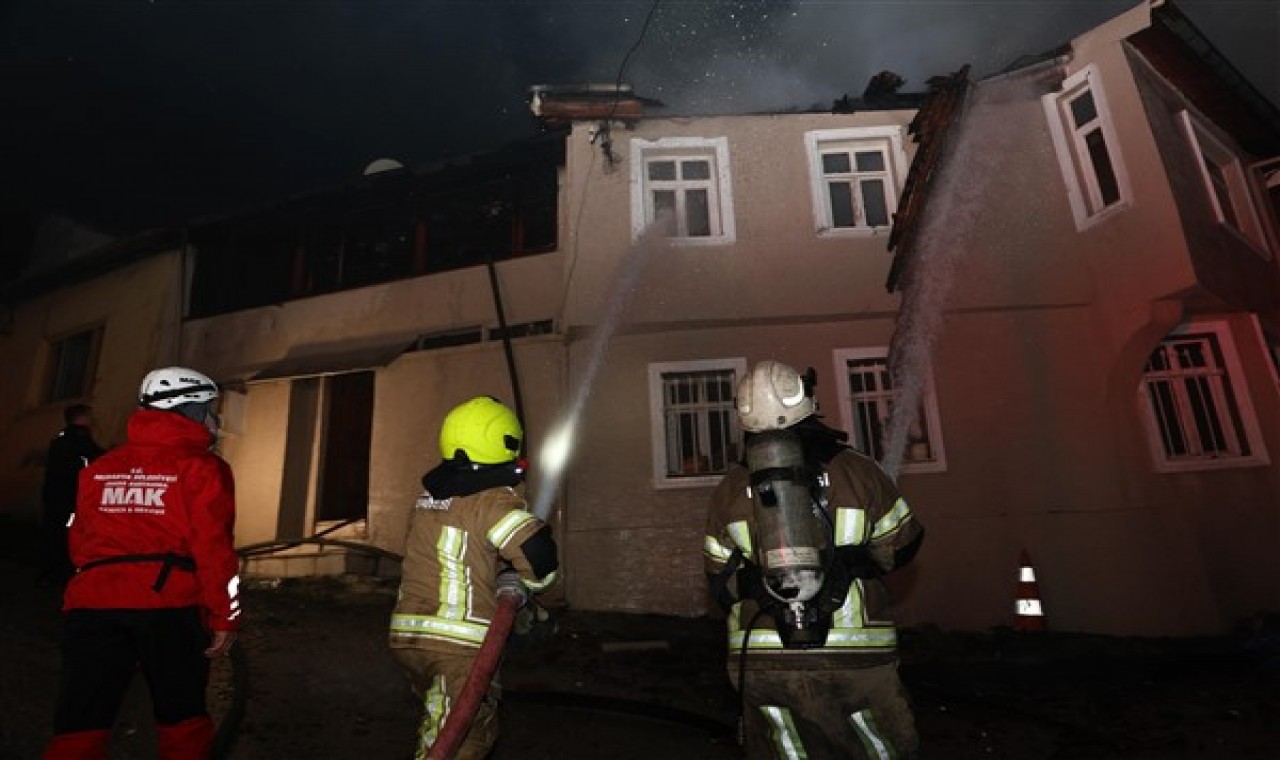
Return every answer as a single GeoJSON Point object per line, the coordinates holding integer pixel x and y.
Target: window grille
{"type": "Point", "coordinates": [1192, 401]}
{"type": "Point", "coordinates": [871, 399]}
{"type": "Point", "coordinates": [700, 422]}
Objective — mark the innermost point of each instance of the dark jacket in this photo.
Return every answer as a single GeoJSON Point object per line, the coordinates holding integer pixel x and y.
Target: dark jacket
{"type": "Point", "coordinates": [70, 452]}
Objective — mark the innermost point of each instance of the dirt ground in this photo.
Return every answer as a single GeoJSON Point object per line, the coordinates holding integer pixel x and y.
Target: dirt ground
{"type": "Point", "coordinates": [313, 679]}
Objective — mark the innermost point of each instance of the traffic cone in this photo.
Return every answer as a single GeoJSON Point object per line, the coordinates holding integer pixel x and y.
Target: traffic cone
{"type": "Point", "coordinates": [1028, 614]}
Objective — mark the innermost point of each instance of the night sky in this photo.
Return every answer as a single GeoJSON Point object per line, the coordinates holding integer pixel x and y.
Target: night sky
{"type": "Point", "coordinates": [133, 114]}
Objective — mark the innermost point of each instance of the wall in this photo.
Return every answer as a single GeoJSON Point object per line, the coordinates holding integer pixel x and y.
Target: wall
{"type": "Point", "coordinates": [136, 305]}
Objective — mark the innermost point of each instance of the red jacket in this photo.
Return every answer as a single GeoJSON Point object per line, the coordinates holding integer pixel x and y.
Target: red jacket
{"type": "Point", "coordinates": [161, 493]}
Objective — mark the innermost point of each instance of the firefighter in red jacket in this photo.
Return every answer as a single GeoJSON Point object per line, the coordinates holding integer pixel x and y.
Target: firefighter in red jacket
{"type": "Point", "coordinates": [798, 537]}
{"type": "Point", "coordinates": [155, 588]}
{"type": "Point", "coordinates": [469, 525]}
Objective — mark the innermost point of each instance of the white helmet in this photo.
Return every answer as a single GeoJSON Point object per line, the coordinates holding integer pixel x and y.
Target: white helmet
{"type": "Point", "coordinates": [773, 396]}
{"type": "Point", "coordinates": [172, 387]}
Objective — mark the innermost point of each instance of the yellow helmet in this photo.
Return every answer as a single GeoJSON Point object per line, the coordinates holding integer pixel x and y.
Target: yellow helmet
{"type": "Point", "coordinates": [482, 429]}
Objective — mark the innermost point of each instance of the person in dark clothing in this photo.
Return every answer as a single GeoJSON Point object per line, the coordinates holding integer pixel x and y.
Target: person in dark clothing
{"type": "Point", "coordinates": [69, 453]}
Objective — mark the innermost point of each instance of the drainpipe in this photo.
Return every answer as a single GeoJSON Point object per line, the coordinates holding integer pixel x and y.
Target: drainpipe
{"type": "Point", "coordinates": [506, 340]}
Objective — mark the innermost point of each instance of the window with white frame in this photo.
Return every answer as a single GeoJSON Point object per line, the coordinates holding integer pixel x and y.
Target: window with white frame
{"type": "Point", "coordinates": [683, 181]}
{"type": "Point", "coordinates": [695, 426]}
{"type": "Point", "coordinates": [73, 361]}
{"type": "Point", "coordinates": [1196, 403]}
{"type": "Point", "coordinates": [1087, 147]}
{"type": "Point", "coordinates": [868, 396]}
{"type": "Point", "coordinates": [1225, 182]}
{"type": "Point", "coordinates": [856, 176]}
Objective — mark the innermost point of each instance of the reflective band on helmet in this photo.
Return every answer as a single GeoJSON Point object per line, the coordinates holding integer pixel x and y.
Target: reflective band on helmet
{"type": "Point", "coordinates": [893, 519]}
{"type": "Point", "coordinates": [431, 627]}
{"type": "Point", "coordinates": [508, 526]}
{"type": "Point", "coordinates": [783, 733]}
{"type": "Point", "coordinates": [873, 742]}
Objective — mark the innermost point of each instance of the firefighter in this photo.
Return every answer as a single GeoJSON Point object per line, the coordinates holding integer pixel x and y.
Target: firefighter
{"type": "Point", "coordinates": [470, 524]}
{"type": "Point", "coordinates": [799, 536]}
{"type": "Point", "coordinates": [155, 588]}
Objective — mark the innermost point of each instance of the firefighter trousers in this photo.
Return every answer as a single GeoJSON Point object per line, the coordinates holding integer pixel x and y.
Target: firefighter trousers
{"type": "Point", "coordinates": [437, 679]}
{"type": "Point", "coordinates": [821, 714]}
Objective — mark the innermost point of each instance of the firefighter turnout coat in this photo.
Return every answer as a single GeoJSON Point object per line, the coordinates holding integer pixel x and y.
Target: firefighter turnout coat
{"type": "Point", "coordinates": [455, 548]}
{"type": "Point", "coordinates": [154, 524]}
{"type": "Point", "coordinates": [867, 512]}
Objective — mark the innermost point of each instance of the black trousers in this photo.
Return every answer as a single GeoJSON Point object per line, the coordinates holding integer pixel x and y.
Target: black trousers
{"type": "Point", "coordinates": [102, 650]}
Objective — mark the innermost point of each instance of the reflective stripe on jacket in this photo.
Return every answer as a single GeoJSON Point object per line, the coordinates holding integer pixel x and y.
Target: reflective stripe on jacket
{"type": "Point", "coordinates": [867, 511]}
{"type": "Point", "coordinates": [452, 556]}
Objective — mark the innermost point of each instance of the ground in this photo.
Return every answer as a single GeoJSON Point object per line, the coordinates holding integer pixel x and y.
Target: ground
{"type": "Point", "coordinates": [313, 679]}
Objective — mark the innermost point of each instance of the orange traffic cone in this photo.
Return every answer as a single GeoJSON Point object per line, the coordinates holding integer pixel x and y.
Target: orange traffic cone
{"type": "Point", "coordinates": [1028, 614]}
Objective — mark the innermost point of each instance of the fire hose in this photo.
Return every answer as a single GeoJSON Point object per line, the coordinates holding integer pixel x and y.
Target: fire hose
{"type": "Point", "coordinates": [511, 597]}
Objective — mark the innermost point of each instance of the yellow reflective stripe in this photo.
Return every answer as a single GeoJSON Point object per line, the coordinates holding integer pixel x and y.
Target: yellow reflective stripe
{"type": "Point", "coordinates": [783, 732]}
{"type": "Point", "coordinates": [455, 577]}
{"type": "Point", "coordinates": [851, 614]}
{"type": "Point", "coordinates": [435, 708]}
{"type": "Point", "coordinates": [507, 527]}
{"type": "Point", "coordinates": [543, 584]}
{"type": "Point", "coordinates": [893, 519]}
{"type": "Point", "coordinates": [430, 626]}
{"type": "Point", "coordinates": [740, 532]}
{"type": "Point", "coordinates": [876, 746]}
{"type": "Point", "coordinates": [715, 550]}
{"type": "Point", "coordinates": [877, 638]}
{"type": "Point", "coordinates": [851, 526]}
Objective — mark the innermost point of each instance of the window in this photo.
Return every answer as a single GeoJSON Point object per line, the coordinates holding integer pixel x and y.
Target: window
{"type": "Point", "coordinates": [686, 180]}
{"type": "Point", "coordinates": [1225, 182]}
{"type": "Point", "coordinates": [1196, 405]}
{"type": "Point", "coordinates": [867, 399]}
{"type": "Point", "coordinates": [856, 178]}
{"type": "Point", "coordinates": [695, 425]}
{"type": "Point", "coordinates": [1087, 147]}
{"type": "Point", "coordinates": [73, 360]}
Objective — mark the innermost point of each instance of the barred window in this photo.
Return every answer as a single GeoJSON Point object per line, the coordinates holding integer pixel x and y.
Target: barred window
{"type": "Point", "coordinates": [1196, 406]}
{"type": "Point", "coordinates": [696, 432]}
{"type": "Point", "coordinates": [867, 401]}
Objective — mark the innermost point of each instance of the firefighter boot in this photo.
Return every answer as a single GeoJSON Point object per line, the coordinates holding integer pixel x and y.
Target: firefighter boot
{"type": "Point", "coordinates": [79, 745]}
{"type": "Point", "coordinates": [191, 739]}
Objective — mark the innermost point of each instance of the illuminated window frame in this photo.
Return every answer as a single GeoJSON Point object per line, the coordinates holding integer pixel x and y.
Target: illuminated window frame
{"type": "Point", "coordinates": [717, 185]}
{"type": "Point", "coordinates": [1227, 186]}
{"type": "Point", "coordinates": [864, 412]}
{"type": "Point", "coordinates": [694, 441]}
{"type": "Point", "coordinates": [823, 143]}
{"type": "Point", "coordinates": [1088, 148]}
{"type": "Point", "coordinates": [1195, 403]}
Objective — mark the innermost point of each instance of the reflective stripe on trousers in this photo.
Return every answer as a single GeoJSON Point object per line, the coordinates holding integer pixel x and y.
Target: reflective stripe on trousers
{"type": "Point", "coordinates": [782, 730]}
{"type": "Point", "coordinates": [873, 741]}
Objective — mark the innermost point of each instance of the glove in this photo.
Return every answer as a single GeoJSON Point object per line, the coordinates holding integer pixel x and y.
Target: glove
{"type": "Point", "coordinates": [534, 622]}
{"type": "Point", "coordinates": [509, 582]}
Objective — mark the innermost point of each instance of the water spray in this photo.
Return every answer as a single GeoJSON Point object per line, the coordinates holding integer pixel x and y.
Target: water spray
{"type": "Point", "coordinates": [558, 447]}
